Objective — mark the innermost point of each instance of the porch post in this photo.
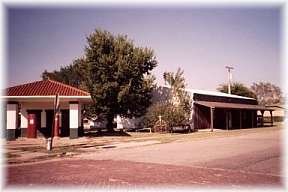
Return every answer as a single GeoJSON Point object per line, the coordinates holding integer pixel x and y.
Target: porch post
{"type": "Point", "coordinates": [60, 119]}
{"type": "Point", "coordinates": [271, 117]}
{"type": "Point", "coordinates": [192, 117]}
{"type": "Point", "coordinates": [80, 122]}
{"type": "Point", "coordinates": [230, 119]}
{"type": "Point", "coordinates": [227, 120]}
{"type": "Point", "coordinates": [256, 118]}
{"type": "Point", "coordinates": [56, 125]}
{"type": "Point", "coordinates": [74, 119]}
{"type": "Point", "coordinates": [12, 118]}
{"type": "Point", "coordinates": [211, 118]}
{"type": "Point", "coordinates": [262, 118]}
{"type": "Point", "coordinates": [240, 119]}
{"type": "Point", "coordinates": [43, 119]}
{"type": "Point", "coordinates": [252, 113]}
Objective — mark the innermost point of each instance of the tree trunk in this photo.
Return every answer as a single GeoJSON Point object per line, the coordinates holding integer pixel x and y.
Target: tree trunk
{"type": "Point", "coordinates": [109, 124]}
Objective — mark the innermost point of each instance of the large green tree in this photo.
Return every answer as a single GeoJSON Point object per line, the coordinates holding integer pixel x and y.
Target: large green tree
{"type": "Point", "coordinates": [117, 75]}
{"type": "Point", "coordinates": [115, 72]}
{"type": "Point", "coordinates": [237, 89]}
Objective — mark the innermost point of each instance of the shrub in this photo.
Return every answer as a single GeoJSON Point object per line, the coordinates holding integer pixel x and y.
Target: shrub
{"type": "Point", "coordinates": [171, 114]}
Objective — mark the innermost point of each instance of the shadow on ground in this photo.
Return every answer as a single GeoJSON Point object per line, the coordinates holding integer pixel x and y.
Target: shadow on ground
{"type": "Point", "coordinates": [105, 133]}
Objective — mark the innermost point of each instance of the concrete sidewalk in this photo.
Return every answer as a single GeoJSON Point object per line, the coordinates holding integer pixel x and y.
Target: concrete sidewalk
{"type": "Point", "coordinates": [33, 150]}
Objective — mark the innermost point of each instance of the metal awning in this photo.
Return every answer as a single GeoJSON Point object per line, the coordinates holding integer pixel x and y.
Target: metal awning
{"type": "Point", "coordinates": [232, 105]}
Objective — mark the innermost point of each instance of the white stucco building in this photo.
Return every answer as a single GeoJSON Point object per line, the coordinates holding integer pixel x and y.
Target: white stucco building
{"type": "Point", "coordinates": [29, 109]}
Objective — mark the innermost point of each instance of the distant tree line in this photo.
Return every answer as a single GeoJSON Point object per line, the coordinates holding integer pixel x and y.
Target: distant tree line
{"type": "Point", "coordinates": [265, 92]}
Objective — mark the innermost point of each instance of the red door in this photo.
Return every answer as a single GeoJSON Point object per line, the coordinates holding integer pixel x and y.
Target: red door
{"type": "Point", "coordinates": [32, 128]}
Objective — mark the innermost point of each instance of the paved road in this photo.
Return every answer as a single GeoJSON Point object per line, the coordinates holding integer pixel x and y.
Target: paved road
{"type": "Point", "coordinates": [252, 159]}
{"type": "Point", "coordinates": [257, 152]}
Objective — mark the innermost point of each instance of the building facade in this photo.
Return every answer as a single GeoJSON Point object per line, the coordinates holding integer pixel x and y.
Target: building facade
{"type": "Point", "coordinates": [212, 109]}
{"type": "Point", "coordinates": [226, 111]}
{"type": "Point", "coordinates": [29, 110]}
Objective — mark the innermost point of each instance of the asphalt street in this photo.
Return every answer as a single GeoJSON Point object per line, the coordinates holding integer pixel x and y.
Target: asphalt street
{"type": "Point", "coordinates": [253, 159]}
{"type": "Point", "coordinates": [256, 152]}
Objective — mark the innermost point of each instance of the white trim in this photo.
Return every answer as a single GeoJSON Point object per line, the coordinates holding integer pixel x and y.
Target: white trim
{"type": "Point", "coordinates": [12, 116]}
{"type": "Point", "coordinates": [74, 110]}
{"type": "Point", "coordinates": [49, 96]}
{"type": "Point", "coordinates": [216, 93]}
{"type": "Point", "coordinates": [213, 93]}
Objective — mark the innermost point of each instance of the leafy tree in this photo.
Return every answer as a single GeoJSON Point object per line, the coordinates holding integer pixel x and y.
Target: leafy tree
{"type": "Point", "coordinates": [267, 93]}
{"type": "Point", "coordinates": [117, 75]}
{"type": "Point", "coordinates": [176, 81]}
{"type": "Point", "coordinates": [115, 72]}
{"type": "Point", "coordinates": [178, 94]}
{"type": "Point", "coordinates": [169, 113]}
{"type": "Point", "coordinates": [237, 89]}
{"type": "Point", "coordinates": [71, 74]}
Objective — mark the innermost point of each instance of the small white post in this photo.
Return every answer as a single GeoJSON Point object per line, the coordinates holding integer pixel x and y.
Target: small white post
{"type": "Point", "coordinates": [211, 119]}
{"type": "Point", "coordinates": [49, 148]}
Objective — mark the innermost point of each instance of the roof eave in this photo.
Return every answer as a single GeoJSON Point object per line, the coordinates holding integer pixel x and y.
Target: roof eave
{"type": "Point", "coordinates": [81, 99]}
{"type": "Point", "coordinates": [42, 96]}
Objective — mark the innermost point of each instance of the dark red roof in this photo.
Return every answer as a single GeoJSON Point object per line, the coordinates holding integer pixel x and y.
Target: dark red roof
{"type": "Point", "coordinates": [45, 88]}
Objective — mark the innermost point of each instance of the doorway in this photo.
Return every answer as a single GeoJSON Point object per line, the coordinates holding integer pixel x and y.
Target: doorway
{"type": "Point", "coordinates": [34, 123]}
{"type": "Point", "coordinates": [49, 122]}
{"type": "Point", "coordinates": [65, 123]}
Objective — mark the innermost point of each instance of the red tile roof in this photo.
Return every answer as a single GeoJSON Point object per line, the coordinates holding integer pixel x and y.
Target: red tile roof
{"type": "Point", "coordinates": [45, 88]}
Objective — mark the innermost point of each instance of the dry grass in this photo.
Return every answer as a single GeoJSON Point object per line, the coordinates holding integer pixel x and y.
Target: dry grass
{"type": "Point", "coordinates": [170, 137]}
{"type": "Point", "coordinates": [66, 147]}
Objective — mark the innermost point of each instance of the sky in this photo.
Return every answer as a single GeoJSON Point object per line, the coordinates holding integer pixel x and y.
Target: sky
{"type": "Point", "coordinates": [199, 40]}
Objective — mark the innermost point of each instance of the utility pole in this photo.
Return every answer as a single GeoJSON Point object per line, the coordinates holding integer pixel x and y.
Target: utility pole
{"type": "Point", "coordinates": [55, 125]}
{"type": "Point", "coordinates": [229, 78]}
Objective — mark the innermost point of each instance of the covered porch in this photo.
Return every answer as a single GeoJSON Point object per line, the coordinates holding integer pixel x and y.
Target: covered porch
{"type": "Point", "coordinates": [229, 115]}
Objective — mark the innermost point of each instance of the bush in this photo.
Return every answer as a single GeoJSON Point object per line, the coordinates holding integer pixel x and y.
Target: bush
{"type": "Point", "coordinates": [174, 105]}
{"type": "Point", "coordinates": [171, 114]}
